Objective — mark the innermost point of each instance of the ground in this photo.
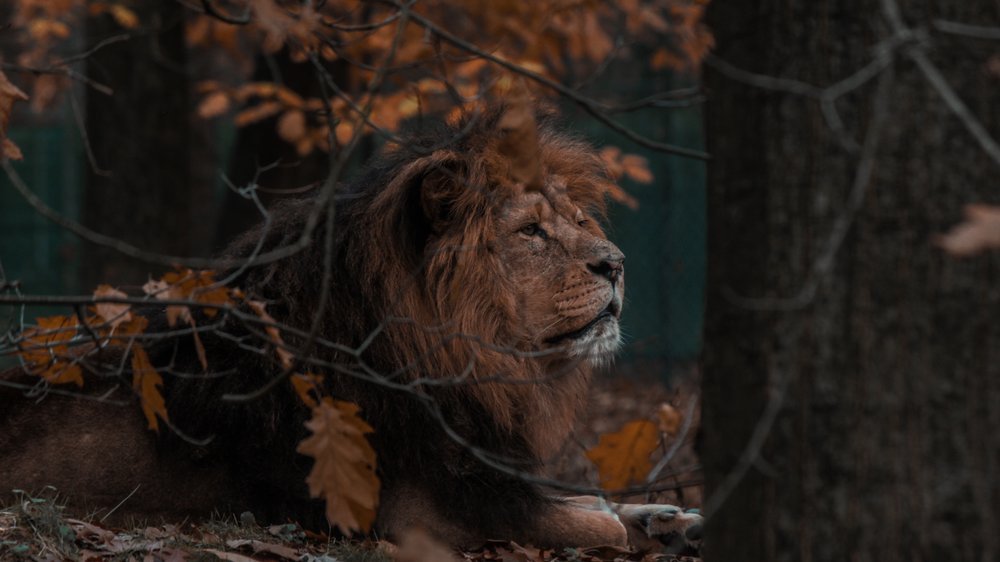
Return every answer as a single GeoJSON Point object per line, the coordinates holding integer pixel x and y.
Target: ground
{"type": "Point", "coordinates": [36, 527]}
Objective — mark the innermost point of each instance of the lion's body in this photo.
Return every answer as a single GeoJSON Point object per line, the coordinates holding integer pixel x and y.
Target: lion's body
{"type": "Point", "coordinates": [427, 275]}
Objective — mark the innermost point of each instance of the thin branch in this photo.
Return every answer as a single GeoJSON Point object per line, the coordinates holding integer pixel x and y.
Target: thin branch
{"type": "Point", "coordinates": [967, 30]}
{"type": "Point", "coordinates": [591, 106]}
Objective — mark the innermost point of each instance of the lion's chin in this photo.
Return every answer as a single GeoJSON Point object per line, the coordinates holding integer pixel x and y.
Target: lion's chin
{"type": "Point", "coordinates": [599, 344]}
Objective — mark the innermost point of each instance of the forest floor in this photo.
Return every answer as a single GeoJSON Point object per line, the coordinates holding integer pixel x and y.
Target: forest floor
{"type": "Point", "coordinates": [36, 527]}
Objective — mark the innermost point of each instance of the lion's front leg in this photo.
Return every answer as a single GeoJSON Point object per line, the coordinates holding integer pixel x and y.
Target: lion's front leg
{"type": "Point", "coordinates": [648, 527]}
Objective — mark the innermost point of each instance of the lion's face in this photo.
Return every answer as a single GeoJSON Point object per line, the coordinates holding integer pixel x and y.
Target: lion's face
{"type": "Point", "coordinates": [568, 277]}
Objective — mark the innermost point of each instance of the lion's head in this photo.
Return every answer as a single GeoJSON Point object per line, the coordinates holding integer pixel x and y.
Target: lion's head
{"type": "Point", "coordinates": [448, 267]}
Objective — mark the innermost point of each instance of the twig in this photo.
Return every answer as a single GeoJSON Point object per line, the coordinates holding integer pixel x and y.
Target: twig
{"type": "Point", "coordinates": [975, 31]}
{"type": "Point", "coordinates": [591, 106]}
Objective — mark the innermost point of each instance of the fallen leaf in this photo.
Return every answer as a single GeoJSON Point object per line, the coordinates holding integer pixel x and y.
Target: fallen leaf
{"type": "Point", "coordinates": [344, 469]}
{"type": "Point", "coordinates": [979, 231]}
{"type": "Point", "coordinates": [259, 546]}
{"type": "Point", "coordinates": [623, 457]}
{"type": "Point", "coordinates": [146, 382]}
{"type": "Point", "coordinates": [229, 556]}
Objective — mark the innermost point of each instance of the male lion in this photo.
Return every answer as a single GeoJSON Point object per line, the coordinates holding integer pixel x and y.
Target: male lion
{"type": "Point", "coordinates": [462, 307]}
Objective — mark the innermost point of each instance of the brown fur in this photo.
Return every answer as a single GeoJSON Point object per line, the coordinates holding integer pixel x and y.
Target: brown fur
{"type": "Point", "coordinates": [454, 314]}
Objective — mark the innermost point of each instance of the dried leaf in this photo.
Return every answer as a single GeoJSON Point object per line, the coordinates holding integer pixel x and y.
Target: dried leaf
{"type": "Point", "coordinates": [229, 556]}
{"type": "Point", "coordinates": [669, 419]}
{"type": "Point", "coordinates": [146, 382]}
{"type": "Point", "coordinates": [256, 113]}
{"type": "Point", "coordinates": [637, 168]}
{"type": "Point", "coordinates": [623, 457]}
{"type": "Point", "coordinates": [260, 546]}
{"type": "Point", "coordinates": [520, 141]}
{"type": "Point", "coordinates": [9, 93]}
{"type": "Point", "coordinates": [285, 358]}
{"type": "Point", "coordinates": [979, 232]}
{"type": "Point", "coordinates": [292, 125]}
{"type": "Point", "coordinates": [344, 469]}
{"type": "Point", "coordinates": [213, 105]}
{"type": "Point", "coordinates": [306, 383]}
{"type": "Point", "coordinates": [114, 314]}
{"type": "Point", "coordinates": [124, 16]}
{"type": "Point", "coordinates": [10, 150]}
{"type": "Point", "coordinates": [45, 350]}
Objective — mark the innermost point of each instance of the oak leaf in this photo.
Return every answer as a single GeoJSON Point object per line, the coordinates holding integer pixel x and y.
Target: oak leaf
{"type": "Point", "coordinates": [146, 383]}
{"type": "Point", "coordinates": [979, 232]}
{"type": "Point", "coordinates": [623, 457]}
{"type": "Point", "coordinates": [285, 357]}
{"type": "Point", "coordinates": [45, 350]}
{"type": "Point", "coordinates": [306, 383]}
{"type": "Point", "coordinates": [344, 469]}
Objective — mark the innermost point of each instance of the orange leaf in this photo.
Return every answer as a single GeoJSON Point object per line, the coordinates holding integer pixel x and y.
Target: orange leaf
{"type": "Point", "coordinates": [9, 93]}
{"type": "Point", "coordinates": [256, 113]}
{"type": "Point", "coordinates": [979, 232]}
{"type": "Point", "coordinates": [213, 105]}
{"type": "Point", "coordinates": [10, 150]}
{"type": "Point", "coordinates": [112, 313]}
{"type": "Point", "coordinates": [520, 141]}
{"type": "Point", "coordinates": [292, 125]}
{"type": "Point", "coordinates": [45, 350]}
{"type": "Point", "coordinates": [344, 469]}
{"type": "Point", "coordinates": [637, 168]}
{"type": "Point", "coordinates": [146, 382]}
{"type": "Point", "coordinates": [124, 16]}
{"type": "Point", "coordinates": [623, 457]}
{"type": "Point", "coordinates": [284, 356]}
{"type": "Point", "coordinates": [306, 383]}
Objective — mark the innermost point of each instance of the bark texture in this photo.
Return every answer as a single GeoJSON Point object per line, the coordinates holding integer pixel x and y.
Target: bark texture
{"type": "Point", "coordinates": [886, 445]}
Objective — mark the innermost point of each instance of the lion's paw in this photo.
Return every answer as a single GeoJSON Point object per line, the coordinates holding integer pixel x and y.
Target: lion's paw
{"type": "Point", "coordinates": [662, 528]}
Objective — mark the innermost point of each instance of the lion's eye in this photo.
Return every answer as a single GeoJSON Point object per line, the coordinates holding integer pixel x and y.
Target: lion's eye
{"type": "Point", "coordinates": [583, 222]}
{"type": "Point", "coordinates": [533, 229]}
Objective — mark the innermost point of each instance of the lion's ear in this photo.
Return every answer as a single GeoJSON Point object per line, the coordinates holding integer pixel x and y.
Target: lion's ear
{"type": "Point", "coordinates": [441, 185]}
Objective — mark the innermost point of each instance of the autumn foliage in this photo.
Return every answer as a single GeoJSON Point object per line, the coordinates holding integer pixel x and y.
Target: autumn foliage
{"type": "Point", "coordinates": [380, 65]}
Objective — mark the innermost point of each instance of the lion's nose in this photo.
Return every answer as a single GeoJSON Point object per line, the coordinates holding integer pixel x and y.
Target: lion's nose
{"type": "Point", "coordinates": [610, 266]}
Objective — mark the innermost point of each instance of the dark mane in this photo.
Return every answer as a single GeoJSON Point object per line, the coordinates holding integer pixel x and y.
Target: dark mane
{"type": "Point", "coordinates": [411, 278]}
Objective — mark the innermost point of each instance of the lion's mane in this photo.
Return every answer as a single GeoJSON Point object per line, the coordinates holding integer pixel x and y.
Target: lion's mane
{"type": "Point", "coordinates": [412, 286]}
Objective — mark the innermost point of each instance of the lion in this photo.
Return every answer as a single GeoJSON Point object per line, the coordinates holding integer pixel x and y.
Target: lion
{"type": "Point", "coordinates": [460, 303]}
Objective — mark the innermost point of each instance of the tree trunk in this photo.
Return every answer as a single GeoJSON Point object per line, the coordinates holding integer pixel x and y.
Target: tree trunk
{"type": "Point", "coordinates": [143, 142]}
{"type": "Point", "coordinates": [884, 382]}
